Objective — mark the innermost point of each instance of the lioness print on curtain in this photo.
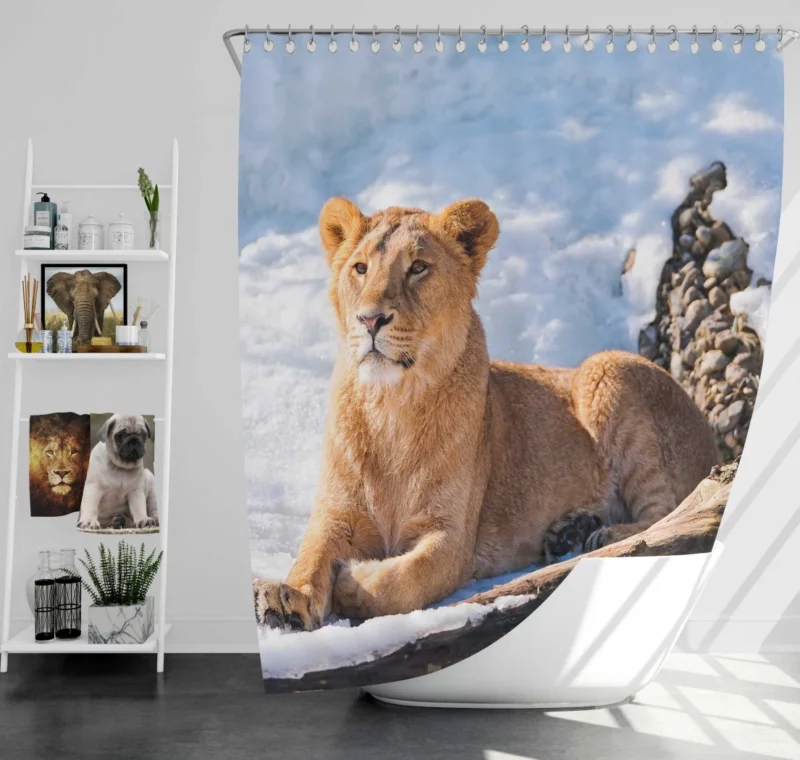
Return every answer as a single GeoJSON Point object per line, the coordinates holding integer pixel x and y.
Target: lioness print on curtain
{"type": "Point", "coordinates": [498, 310]}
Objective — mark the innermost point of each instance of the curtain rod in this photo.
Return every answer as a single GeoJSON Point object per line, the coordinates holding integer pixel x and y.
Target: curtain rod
{"type": "Point", "coordinates": [787, 36]}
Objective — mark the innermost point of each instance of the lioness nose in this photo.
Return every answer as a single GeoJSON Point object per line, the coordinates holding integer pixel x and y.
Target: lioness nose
{"type": "Point", "coordinates": [374, 322]}
{"type": "Point", "coordinates": [61, 473]}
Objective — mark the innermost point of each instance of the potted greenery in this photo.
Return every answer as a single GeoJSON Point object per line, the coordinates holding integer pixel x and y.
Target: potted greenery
{"type": "Point", "coordinates": [151, 200]}
{"type": "Point", "coordinates": [121, 612]}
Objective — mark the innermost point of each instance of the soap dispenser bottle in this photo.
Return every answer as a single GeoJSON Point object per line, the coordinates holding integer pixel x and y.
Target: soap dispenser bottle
{"type": "Point", "coordinates": [63, 230]}
{"type": "Point", "coordinates": [45, 213]}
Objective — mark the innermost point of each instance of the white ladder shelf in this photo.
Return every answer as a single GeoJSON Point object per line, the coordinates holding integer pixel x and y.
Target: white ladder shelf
{"type": "Point", "coordinates": [24, 642]}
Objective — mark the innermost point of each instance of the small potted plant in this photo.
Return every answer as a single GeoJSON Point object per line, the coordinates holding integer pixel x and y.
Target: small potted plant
{"type": "Point", "coordinates": [151, 200]}
{"type": "Point", "coordinates": [121, 612]}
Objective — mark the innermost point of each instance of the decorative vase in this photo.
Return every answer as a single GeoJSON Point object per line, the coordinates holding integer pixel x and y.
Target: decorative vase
{"type": "Point", "coordinates": [153, 230]}
{"type": "Point", "coordinates": [68, 598]}
{"type": "Point", "coordinates": [130, 624]}
{"type": "Point", "coordinates": [44, 591]}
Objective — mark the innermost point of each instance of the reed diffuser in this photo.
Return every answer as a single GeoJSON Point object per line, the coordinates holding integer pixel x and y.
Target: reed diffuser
{"type": "Point", "coordinates": [29, 340]}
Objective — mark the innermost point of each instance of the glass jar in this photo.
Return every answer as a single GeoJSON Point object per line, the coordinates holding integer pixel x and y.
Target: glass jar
{"type": "Point", "coordinates": [44, 592]}
{"type": "Point", "coordinates": [29, 340]}
{"type": "Point", "coordinates": [68, 597]}
{"type": "Point", "coordinates": [153, 230]}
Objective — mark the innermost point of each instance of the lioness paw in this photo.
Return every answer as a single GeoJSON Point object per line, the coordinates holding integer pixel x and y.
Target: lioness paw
{"type": "Point", "coordinates": [278, 605]}
{"type": "Point", "coordinates": [601, 537]}
{"type": "Point", "coordinates": [570, 533]}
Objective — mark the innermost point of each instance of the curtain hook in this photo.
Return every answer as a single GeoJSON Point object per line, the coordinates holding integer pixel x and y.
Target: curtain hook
{"type": "Point", "coordinates": [461, 46]}
{"type": "Point", "coordinates": [311, 45]}
{"type": "Point", "coordinates": [588, 43]}
{"type": "Point", "coordinates": [418, 42]}
{"type": "Point", "coordinates": [737, 44]}
{"type": "Point", "coordinates": [439, 44]}
{"type": "Point", "coordinates": [780, 39]}
{"type": "Point", "coordinates": [397, 44]}
{"type": "Point", "coordinates": [695, 44]}
{"type": "Point", "coordinates": [631, 44]}
{"type": "Point", "coordinates": [546, 46]}
{"type": "Point", "coordinates": [651, 45]}
{"type": "Point", "coordinates": [375, 46]}
{"type": "Point", "coordinates": [673, 43]}
{"type": "Point", "coordinates": [502, 45]}
{"type": "Point", "coordinates": [610, 40]}
{"type": "Point", "coordinates": [332, 44]}
{"type": "Point", "coordinates": [526, 40]}
{"type": "Point", "coordinates": [353, 44]}
{"type": "Point", "coordinates": [716, 43]}
{"type": "Point", "coordinates": [290, 41]}
{"type": "Point", "coordinates": [482, 40]}
{"type": "Point", "coordinates": [268, 43]}
{"type": "Point", "coordinates": [760, 45]}
{"type": "Point", "coordinates": [567, 45]}
{"type": "Point", "coordinates": [246, 38]}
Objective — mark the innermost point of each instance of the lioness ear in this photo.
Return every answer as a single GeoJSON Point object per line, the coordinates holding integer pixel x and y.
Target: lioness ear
{"type": "Point", "coordinates": [474, 227]}
{"type": "Point", "coordinates": [339, 220]}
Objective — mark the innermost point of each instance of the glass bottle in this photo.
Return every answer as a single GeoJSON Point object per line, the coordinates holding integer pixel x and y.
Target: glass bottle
{"type": "Point", "coordinates": [68, 597]}
{"type": "Point", "coordinates": [144, 335]}
{"type": "Point", "coordinates": [44, 591]}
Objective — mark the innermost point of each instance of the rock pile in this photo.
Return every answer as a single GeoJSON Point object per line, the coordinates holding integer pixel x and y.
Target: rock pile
{"type": "Point", "coordinates": [713, 354]}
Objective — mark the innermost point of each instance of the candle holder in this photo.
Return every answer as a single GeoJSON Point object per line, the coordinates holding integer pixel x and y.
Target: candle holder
{"type": "Point", "coordinates": [44, 601]}
{"type": "Point", "coordinates": [68, 598]}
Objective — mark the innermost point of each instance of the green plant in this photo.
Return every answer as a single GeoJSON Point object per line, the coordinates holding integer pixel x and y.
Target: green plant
{"type": "Point", "coordinates": [123, 580]}
{"type": "Point", "coordinates": [151, 200]}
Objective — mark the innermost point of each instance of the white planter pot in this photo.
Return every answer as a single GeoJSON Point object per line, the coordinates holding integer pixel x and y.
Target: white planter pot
{"type": "Point", "coordinates": [132, 624]}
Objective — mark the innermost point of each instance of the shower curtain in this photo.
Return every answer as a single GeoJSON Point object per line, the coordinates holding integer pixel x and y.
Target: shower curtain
{"type": "Point", "coordinates": [500, 308]}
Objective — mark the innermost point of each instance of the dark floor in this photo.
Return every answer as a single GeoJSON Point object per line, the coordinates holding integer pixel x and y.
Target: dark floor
{"type": "Point", "coordinates": [213, 706]}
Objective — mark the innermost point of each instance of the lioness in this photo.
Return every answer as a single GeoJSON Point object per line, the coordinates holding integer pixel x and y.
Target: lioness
{"type": "Point", "coordinates": [440, 465]}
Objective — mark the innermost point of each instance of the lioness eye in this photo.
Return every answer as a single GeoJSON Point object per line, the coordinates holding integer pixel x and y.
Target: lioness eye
{"type": "Point", "coordinates": [418, 267]}
{"type": "Point", "coordinates": [360, 267]}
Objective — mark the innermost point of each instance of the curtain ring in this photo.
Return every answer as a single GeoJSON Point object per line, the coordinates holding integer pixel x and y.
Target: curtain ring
{"type": "Point", "coordinates": [737, 44]}
{"type": "Point", "coordinates": [502, 45]}
{"type": "Point", "coordinates": [375, 46]}
{"type": "Point", "coordinates": [673, 43]}
{"type": "Point", "coordinates": [651, 45]}
{"type": "Point", "coordinates": [610, 40]}
{"type": "Point", "coordinates": [546, 46]}
{"type": "Point", "coordinates": [588, 43]}
{"type": "Point", "coordinates": [566, 45]}
{"type": "Point", "coordinates": [246, 38]}
{"type": "Point", "coordinates": [716, 43]}
{"type": "Point", "coordinates": [439, 45]}
{"type": "Point", "coordinates": [461, 46]}
{"type": "Point", "coordinates": [631, 44]}
{"type": "Point", "coordinates": [332, 45]}
{"type": "Point", "coordinates": [311, 45]}
{"type": "Point", "coordinates": [397, 43]}
{"type": "Point", "coordinates": [418, 42]}
{"type": "Point", "coordinates": [780, 39]}
{"type": "Point", "coordinates": [526, 40]}
{"type": "Point", "coordinates": [482, 40]}
{"type": "Point", "coordinates": [290, 41]}
{"type": "Point", "coordinates": [760, 45]}
{"type": "Point", "coordinates": [695, 44]}
{"type": "Point", "coordinates": [353, 44]}
{"type": "Point", "coordinates": [268, 43]}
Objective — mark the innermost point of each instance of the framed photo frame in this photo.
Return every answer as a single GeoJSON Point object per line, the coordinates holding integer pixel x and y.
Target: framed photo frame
{"type": "Point", "coordinates": [91, 299]}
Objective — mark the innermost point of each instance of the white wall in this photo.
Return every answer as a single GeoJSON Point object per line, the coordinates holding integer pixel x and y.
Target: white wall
{"type": "Point", "coordinates": [102, 88]}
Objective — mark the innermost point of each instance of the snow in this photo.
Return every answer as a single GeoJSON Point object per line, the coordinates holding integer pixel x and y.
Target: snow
{"type": "Point", "coordinates": [754, 303]}
{"type": "Point", "coordinates": [292, 654]}
{"type": "Point", "coordinates": [581, 156]}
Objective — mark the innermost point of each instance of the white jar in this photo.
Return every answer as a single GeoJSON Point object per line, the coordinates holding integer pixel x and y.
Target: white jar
{"type": "Point", "coordinates": [90, 235]}
{"type": "Point", "coordinates": [120, 234]}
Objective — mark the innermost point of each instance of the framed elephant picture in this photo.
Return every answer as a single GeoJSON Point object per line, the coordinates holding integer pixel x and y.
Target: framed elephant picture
{"type": "Point", "coordinates": [91, 300]}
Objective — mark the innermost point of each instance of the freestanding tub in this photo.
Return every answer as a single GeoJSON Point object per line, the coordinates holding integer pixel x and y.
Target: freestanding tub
{"type": "Point", "coordinates": [600, 638]}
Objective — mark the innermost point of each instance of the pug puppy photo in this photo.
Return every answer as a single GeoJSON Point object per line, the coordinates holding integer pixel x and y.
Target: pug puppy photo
{"type": "Point", "coordinates": [120, 491]}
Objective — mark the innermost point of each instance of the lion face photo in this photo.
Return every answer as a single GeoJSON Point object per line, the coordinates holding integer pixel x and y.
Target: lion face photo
{"type": "Point", "coordinates": [58, 462]}
{"type": "Point", "coordinates": [496, 316]}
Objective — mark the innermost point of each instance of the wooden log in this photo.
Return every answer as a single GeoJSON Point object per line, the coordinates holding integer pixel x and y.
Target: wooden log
{"type": "Point", "coordinates": [690, 529]}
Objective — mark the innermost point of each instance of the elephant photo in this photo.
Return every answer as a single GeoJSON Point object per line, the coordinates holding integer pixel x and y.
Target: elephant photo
{"type": "Point", "coordinates": [84, 296]}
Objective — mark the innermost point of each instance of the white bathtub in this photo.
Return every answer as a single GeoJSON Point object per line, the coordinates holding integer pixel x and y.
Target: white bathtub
{"type": "Point", "coordinates": [601, 637]}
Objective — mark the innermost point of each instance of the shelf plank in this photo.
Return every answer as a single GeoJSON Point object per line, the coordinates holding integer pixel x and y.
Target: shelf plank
{"type": "Point", "coordinates": [94, 257]}
{"type": "Point", "coordinates": [24, 642]}
{"type": "Point", "coordinates": [108, 357]}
